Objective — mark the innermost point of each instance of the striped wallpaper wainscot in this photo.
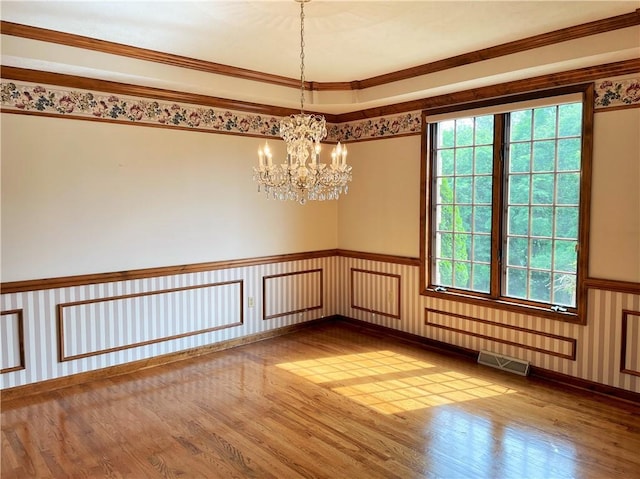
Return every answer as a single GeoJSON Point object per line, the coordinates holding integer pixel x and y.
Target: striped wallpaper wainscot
{"type": "Point", "coordinates": [598, 344]}
{"type": "Point", "coordinates": [546, 343]}
{"type": "Point", "coordinates": [292, 293]}
{"type": "Point", "coordinates": [12, 339]}
{"type": "Point", "coordinates": [98, 326]}
{"type": "Point", "coordinates": [124, 299]}
{"type": "Point", "coordinates": [376, 293]}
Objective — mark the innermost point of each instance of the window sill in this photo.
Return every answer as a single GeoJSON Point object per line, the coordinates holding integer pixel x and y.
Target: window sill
{"type": "Point", "coordinates": [568, 317]}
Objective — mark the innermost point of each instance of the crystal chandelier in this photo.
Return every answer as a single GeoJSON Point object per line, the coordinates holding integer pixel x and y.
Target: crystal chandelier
{"type": "Point", "coordinates": [303, 177]}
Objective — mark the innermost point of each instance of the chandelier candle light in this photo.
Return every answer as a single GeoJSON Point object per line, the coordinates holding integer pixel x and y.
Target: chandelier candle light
{"type": "Point", "coordinates": [303, 177]}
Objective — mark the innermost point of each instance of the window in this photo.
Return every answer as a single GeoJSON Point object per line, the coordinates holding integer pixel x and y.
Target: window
{"type": "Point", "coordinates": [506, 204]}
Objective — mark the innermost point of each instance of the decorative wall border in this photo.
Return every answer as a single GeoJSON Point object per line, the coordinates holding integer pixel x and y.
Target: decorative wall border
{"type": "Point", "coordinates": [91, 105]}
{"type": "Point", "coordinates": [616, 93]}
{"type": "Point", "coordinates": [369, 310]}
{"type": "Point", "coordinates": [296, 311]}
{"type": "Point", "coordinates": [572, 341]}
{"type": "Point", "coordinates": [20, 316]}
{"type": "Point", "coordinates": [381, 127]}
{"type": "Point", "coordinates": [60, 320]}
{"type": "Point", "coordinates": [152, 107]}
{"type": "Point", "coordinates": [623, 342]}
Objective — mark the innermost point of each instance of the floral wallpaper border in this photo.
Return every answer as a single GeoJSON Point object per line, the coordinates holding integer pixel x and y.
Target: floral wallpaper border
{"type": "Point", "coordinates": [28, 97]}
{"type": "Point", "coordinates": [615, 93]}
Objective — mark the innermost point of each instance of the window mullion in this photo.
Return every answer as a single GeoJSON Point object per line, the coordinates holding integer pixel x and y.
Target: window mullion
{"type": "Point", "coordinates": [497, 215]}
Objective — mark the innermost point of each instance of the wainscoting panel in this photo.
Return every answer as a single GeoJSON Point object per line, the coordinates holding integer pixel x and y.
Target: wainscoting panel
{"type": "Point", "coordinates": [11, 341]}
{"type": "Point", "coordinates": [376, 292]}
{"type": "Point", "coordinates": [530, 339]}
{"type": "Point", "coordinates": [629, 349]}
{"type": "Point", "coordinates": [118, 322]}
{"type": "Point", "coordinates": [99, 326]}
{"type": "Point", "coordinates": [292, 293]}
{"type": "Point", "coordinates": [598, 344]}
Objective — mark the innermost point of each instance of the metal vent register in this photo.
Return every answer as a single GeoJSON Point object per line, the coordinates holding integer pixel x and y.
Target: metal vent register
{"type": "Point", "coordinates": [506, 363]}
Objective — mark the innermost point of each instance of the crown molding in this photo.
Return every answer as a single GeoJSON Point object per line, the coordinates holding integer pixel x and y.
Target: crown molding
{"type": "Point", "coordinates": [529, 43]}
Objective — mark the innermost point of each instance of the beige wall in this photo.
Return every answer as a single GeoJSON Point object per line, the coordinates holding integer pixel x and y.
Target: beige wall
{"type": "Point", "coordinates": [83, 197]}
{"type": "Point", "coordinates": [381, 213]}
{"type": "Point", "coordinates": [615, 218]}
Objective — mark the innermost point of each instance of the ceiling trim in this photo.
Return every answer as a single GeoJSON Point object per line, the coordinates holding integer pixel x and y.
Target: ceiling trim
{"type": "Point", "coordinates": [103, 46]}
{"type": "Point", "coordinates": [609, 70]}
{"type": "Point", "coordinates": [541, 82]}
{"type": "Point", "coordinates": [529, 43]}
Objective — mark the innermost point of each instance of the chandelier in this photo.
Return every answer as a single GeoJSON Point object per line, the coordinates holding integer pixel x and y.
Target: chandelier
{"type": "Point", "coordinates": [302, 177]}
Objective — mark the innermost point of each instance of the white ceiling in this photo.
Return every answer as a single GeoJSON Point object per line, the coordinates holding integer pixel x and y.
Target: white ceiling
{"type": "Point", "coordinates": [345, 40]}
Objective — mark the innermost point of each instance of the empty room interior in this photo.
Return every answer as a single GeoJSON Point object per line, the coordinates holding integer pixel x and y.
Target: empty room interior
{"type": "Point", "coordinates": [320, 239]}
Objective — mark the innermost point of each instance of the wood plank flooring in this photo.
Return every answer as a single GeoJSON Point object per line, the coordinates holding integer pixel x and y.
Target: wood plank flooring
{"type": "Point", "coordinates": [331, 401]}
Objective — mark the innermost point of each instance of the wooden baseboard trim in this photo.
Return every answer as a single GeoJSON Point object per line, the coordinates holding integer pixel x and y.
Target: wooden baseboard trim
{"type": "Point", "coordinates": [41, 387]}
{"type": "Point", "coordinates": [538, 373]}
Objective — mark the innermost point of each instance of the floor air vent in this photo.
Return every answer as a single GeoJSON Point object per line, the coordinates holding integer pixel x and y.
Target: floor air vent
{"type": "Point", "coordinates": [513, 365]}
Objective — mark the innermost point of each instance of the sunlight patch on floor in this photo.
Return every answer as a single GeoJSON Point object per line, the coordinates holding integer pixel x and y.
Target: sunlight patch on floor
{"type": "Point", "coordinates": [352, 366]}
{"type": "Point", "coordinates": [395, 395]}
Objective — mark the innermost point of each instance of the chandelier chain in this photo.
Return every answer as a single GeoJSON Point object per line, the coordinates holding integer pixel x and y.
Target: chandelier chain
{"type": "Point", "coordinates": [302, 57]}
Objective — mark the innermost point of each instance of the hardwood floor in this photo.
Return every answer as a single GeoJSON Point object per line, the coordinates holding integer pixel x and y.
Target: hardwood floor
{"type": "Point", "coordinates": [331, 401]}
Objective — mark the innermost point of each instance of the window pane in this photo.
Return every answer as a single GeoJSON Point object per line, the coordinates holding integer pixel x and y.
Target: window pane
{"type": "Point", "coordinates": [464, 218]}
{"type": "Point", "coordinates": [445, 162]}
{"type": "Point", "coordinates": [541, 254]}
{"type": "Point", "coordinates": [542, 221]}
{"type": "Point", "coordinates": [444, 245]}
{"type": "Point", "coordinates": [464, 132]}
{"type": "Point", "coordinates": [516, 283]}
{"type": "Point", "coordinates": [519, 189]}
{"type": "Point", "coordinates": [462, 275]}
{"type": "Point", "coordinates": [444, 273]}
{"type": "Point", "coordinates": [544, 155]}
{"type": "Point", "coordinates": [444, 218]}
{"type": "Point", "coordinates": [518, 220]}
{"type": "Point", "coordinates": [543, 189]}
{"type": "Point", "coordinates": [564, 289]}
{"type": "Point", "coordinates": [520, 125]}
{"type": "Point", "coordinates": [484, 160]}
{"type": "Point", "coordinates": [482, 248]}
{"type": "Point", "coordinates": [567, 222]}
{"type": "Point", "coordinates": [565, 256]}
{"type": "Point", "coordinates": [570, 119]}
{"type": "Point", "coordinates": [518, 252]}
{"type": "Point", "coordinates": [463, 189]}
{"type": "Point", "coordinates": [544, 123]}
{"type": "Point", "coordinates": [540, 286]}
{"type": "Point", "coordinates": [446, 133]}
{"type": "Point", "coordinates": [481, 277]}
{"type": "Point", "coordinates": [484, 130]}
{"type": "Point", "coordinates": [568, 188]}
{"type": "Point", "coordinates": [445, 191]}
{"type": "Point", "coordinates": [482, 191]}
{"type": "Point", "coordinates": [464, 161]}
{"type": "Point", "coordinates": [569, 154]}
{"type": "Point", "coordinates": [482, 219]}
{"type": "Point", "coordinates": [520, 158]}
